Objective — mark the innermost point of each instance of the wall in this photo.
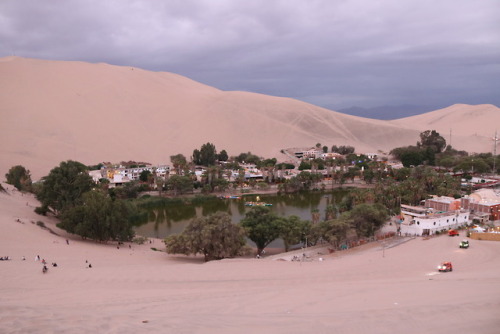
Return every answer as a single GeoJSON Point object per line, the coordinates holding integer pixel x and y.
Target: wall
{"type": "Point", "coordinates": [485, 236]}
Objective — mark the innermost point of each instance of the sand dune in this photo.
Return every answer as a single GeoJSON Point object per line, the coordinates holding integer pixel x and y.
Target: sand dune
{"type": "Point", "coordinates": [470, 128]}
{"type": "Point", "coordinates": [130, 290]}
{"type": "Point", "coordinates": [57, 110]}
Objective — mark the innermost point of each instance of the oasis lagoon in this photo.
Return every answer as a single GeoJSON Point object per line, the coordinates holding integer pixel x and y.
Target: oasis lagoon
{"type": "Point", "coordinates": [168, 219]}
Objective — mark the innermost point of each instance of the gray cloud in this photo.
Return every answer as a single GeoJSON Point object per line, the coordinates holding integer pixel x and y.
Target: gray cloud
{"type": "Point", "coordinates": [330, 53]}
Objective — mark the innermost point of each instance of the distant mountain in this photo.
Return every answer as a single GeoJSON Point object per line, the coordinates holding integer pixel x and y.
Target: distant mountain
{"type": "Point", "coordinates": [52, 111]}
{"type": "Point", "coordinates": [387, 112]}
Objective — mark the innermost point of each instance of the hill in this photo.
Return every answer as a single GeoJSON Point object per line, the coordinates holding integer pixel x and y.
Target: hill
{"type": "Point", "coordinates": [469, 128]}
{"type": "Point", "coordinates": [387, 112]}
{"type": "Point", "coordinates": [367, 289]}
{"type": "Point", "coordinates": [57, 110]}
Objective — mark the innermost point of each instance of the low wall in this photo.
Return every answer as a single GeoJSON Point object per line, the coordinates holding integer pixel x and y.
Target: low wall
{"type": "Point", "coordinates": [485, 236]}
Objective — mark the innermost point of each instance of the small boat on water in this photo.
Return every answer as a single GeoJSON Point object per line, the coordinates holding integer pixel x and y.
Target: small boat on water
{"type": "Point", "coordinates": [230, 197]}
{"type": "Point", "coordinates": [257, 204]}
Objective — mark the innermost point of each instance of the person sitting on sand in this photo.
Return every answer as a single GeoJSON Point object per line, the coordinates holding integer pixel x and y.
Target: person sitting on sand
{"type": "Point", "coordinates": [54, 264]}
{"type": "Point", "coordinates": [44, 269]}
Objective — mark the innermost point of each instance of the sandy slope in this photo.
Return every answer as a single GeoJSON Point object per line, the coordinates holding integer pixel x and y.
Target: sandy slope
{"type": "Point", "coordinates": [363, 290]}
{"type": "Point", "coordinates": [51, 111]}
{"type": "Point", "coordinates": [470, 128]}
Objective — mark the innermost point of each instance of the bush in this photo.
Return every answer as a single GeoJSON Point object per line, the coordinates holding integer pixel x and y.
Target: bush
{"type": "Point", "coordinates": [41, 210]}
{"type": "Point", "coordinates": [215, 236]}
{"type": "Point", "coordinates": [100, 218]}
{"type": "Point", "coordinates": [262, 185]}
{"type": "Point", "coordinates": [19, 177]}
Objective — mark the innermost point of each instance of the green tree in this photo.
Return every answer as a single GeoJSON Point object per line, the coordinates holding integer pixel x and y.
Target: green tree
{"type": "Point", "coordinates": [179, 162]}
{"type": "Point", "coordinates": [248, 158]}
{"type": "Point", "coordinates": [64, 186]}
{"type": "Point", "coordinates": [331, 212]}
{"type": "Point", "coordinates": [335, 231]}
{"type": "Point", "coordinates": [215, 236]}
{"type": "Point", "coordinates": [401, 174]}
{"type": "Point", "coordinates": [100, 218]}
{"type": "Point", "coordinates": [366, 219]}
{"type": "Point", "coordinates": [344, 149]}
{"type": "Point", "coordinates": [196, 157]}
{"type": "Point", "coordinates": [262, 227]}
{"type": "Point", "coordinates": [304, 165]}
{"type": "Point", "coordinates": [129, 190]}
{"type": "Point", "coordinates": [368, 175]}
{"type": "Point", "coordinates": [19, 177]}
{"type": "Point", "coordinates": [144, 176]}
{"type": "Point", "coordinates": [433, 140]}
{"type": "Point", "coordinates": [222, 156]}
{"type": "Point", "coordinates": [206, 156]}
{"type": "Point", "coordinates": [412, 158]}
{"type": "Point", "coordinates": [179, 184]}
{"type": "Point", "coordinates": [293, 230]}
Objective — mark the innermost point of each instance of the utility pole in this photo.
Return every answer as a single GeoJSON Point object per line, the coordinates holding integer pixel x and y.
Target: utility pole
{"type": "Point", "coordinates": [495, 139]}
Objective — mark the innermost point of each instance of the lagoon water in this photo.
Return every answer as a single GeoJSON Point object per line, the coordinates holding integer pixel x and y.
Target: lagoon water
{"type": "Point", "coordinates": [173, 218]}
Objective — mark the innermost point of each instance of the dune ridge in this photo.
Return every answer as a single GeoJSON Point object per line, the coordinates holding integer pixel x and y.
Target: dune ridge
{"type": "Point", "coordinates": [52, 111]}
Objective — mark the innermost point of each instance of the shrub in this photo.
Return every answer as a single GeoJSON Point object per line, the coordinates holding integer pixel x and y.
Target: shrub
{"type": "Point", "coordinates": [41, 210]}
{"type": "Point", "coordinates": [19, 177]}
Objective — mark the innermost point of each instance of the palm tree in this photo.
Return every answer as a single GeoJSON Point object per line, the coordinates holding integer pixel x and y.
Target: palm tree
{"type": "Point", "coordinates": [315, 216]}
{"type": "Point", "coordinates": [331, 212]}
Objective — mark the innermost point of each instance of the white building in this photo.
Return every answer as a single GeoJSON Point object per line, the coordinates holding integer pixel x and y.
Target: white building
{"type": "Point", "coordinates": [424, 221]}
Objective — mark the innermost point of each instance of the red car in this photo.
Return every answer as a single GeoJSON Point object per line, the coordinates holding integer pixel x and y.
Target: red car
{"type": "Point", "coordinates": [453, 233]}
{"type": "Point", "coordinates": [445, 266]}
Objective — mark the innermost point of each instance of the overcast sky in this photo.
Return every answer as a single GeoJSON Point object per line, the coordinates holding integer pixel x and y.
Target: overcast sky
{"type": "Point", "coordinates": [331, 53]}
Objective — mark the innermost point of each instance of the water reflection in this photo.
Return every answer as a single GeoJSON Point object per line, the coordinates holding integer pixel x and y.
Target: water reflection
{"type": "Point", "coordinates": [172, 218]}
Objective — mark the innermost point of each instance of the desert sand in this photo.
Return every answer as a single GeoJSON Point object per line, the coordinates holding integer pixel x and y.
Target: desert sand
{"type": "Point", "coordinates": [134, 290]}
{"type": "Point", "coordinates": [52, 111]}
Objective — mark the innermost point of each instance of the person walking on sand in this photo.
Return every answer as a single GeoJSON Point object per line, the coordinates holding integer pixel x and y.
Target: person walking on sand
{"type": "Point", "coordinates": [67, 242]}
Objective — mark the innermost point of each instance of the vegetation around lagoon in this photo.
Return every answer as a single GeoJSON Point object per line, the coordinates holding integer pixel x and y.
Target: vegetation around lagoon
{"type": "Point", "coordinates": [98, 212]}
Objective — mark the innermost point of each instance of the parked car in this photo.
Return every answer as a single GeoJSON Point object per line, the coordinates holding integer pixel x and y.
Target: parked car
{"type": "Point", "coordinates": [453, 233]}
{"type": "Point", "coordinates": [478, 229]}
{"type": "Point", "coordinates": [445, 266]}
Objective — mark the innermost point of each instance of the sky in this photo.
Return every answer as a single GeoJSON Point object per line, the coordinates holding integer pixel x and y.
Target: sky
{"type": "Point", "coordinates": [332, 53]}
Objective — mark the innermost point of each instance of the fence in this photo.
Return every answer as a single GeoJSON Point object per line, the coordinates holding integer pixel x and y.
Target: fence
{"type": "Point", "coordinates": [485, 236]}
